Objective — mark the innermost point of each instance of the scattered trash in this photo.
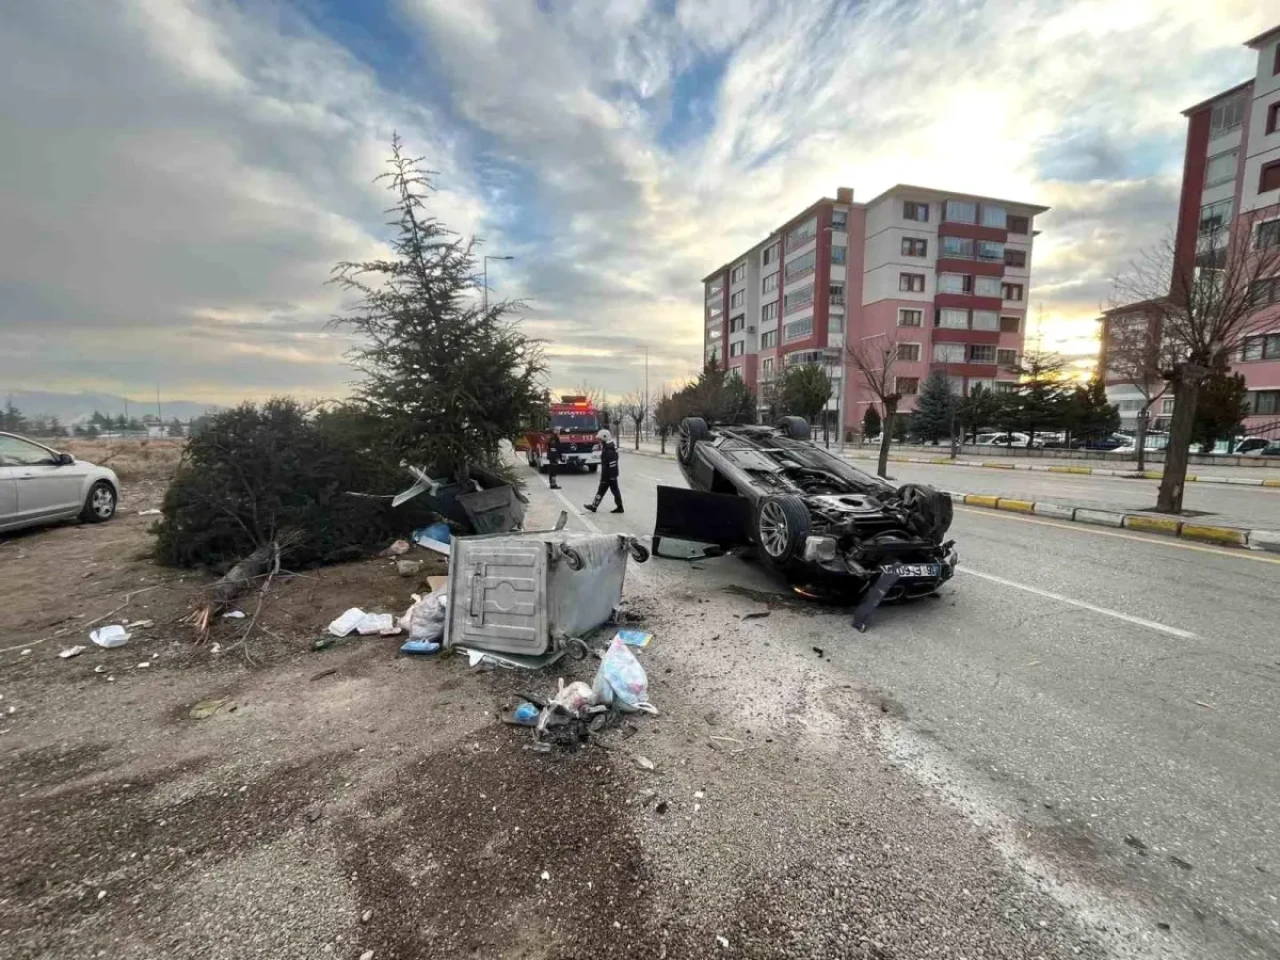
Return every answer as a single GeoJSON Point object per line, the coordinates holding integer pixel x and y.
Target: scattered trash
{"type": "Point", "coordinates": [408, 568]}
{"type": "Point", "coordinates": [820, 652]}
{"type": "Point", "coordinates": [27, 652]}
{"type": "Point", "coordinates": [1201, 703]}
{"type": "Point", "coordinates": [99, 669]}
{"type": "Point", "coordinates": [644, 763]}
{"type": "Point", "coordinates": [397, 549]}
{"type": "Point", "coordinates": [108, 637]}
{"type": "Point", "coordinates": [233, 615]}
{"type": "Point", "coordinates": [140, 624]}
{"type": "Point", "coordinates": [435, 545]}
{"type": "Point", "coordinates": [347, 622]}
{"type": "Point", "coordinates": [621, 682]}
{"type": "Point", "coordinates": [634, 638]}
{"type": "Point", "coordinates": [437, 583]}
{"type": "Point", "coordinates": [372, 623]}
{"type": "Point", "coordinates": [722, 941]}
{"type": "Point", "coordinates": [144, 664]}
{"type": "Point", "coordinates": [546, 877]}
{"type": "Point", "coordinates": [439, 532]}
{"type": "Point", "coordinates": [216, 648]}
{"type": "Point", "coordinates": [153, 512]}
{"type": "Point", "coordinates": [367, 955]}
{"type": "Point", "coordinates": [322, 643]}
{"type": "Point", "coordinates": [324, 673]}
{"type": "Point", "coordinates": [366, 916]}
{"type": "Point", "coordinates": [70, 652]}
{"type": "Point", "coordinates": [756, 614]}
{"type": "Point", "coordinates": [207, 708]}
{"type": "Point", "coordinates": [698, 794]}
{"type": "Point", "coordinates": [425, 618]}
{"type": "Point", "coordinates": [526, 715]}
{"type": "Point", "coordinates": [420, 647]}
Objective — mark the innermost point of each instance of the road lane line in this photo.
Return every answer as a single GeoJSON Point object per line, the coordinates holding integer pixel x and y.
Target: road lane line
{"type": "Point", "coordinates": [572, 509]}
{"type": "Point", "coordinates": [1098, 532]}
{"type": "Point", "coordinates": [1128, 618]}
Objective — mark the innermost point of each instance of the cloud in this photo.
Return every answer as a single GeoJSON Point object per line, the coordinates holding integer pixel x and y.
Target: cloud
{"type": "Point", "coordinates": [181, 174]}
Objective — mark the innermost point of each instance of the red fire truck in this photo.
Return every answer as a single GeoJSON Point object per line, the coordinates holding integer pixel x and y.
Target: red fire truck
{"type": "Point", "coordinates": [576, 421]}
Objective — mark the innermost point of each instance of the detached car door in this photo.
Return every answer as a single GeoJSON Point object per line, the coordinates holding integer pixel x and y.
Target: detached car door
{"type": "Point", "coordinates": [44, 489]}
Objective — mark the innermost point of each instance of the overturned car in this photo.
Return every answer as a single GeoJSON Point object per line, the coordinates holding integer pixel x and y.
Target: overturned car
{"type": "Point", "coordinates": [811, 517]}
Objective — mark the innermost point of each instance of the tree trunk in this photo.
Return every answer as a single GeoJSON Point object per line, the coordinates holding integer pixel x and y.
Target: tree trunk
{"type": "Point", "coordinates": [662, 440]}
{"type": "Point", "coordinates": [1143, 415]}
{"type": "Point", "coordinates": [1186, 393]}
{"type": "Point", "coordinates": [637, 435]}
{"type": "Point", "coordinates": [886, 437]}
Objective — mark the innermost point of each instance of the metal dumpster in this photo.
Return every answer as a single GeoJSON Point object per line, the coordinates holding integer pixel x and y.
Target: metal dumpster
{"type": "Point", "coordinates": [532, 594]}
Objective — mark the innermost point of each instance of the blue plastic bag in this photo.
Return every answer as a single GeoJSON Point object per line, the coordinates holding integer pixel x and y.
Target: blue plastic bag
{"type": "Point", "coordinates": [621, 682]}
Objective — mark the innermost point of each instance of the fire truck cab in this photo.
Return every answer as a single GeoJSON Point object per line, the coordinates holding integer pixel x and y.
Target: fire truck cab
{"type": "Point", "coordinates": [576, 422]}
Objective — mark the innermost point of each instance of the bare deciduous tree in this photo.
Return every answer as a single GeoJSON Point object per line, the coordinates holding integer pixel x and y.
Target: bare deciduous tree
{"type": "Point", "coordinates": [635, 406]}
{"type": "Point", "coordinates": [874, 359]}
{"type": "Point", "coordinates": [1135, 354]}
{"type": "Point", "coordinates": [1202, 305]}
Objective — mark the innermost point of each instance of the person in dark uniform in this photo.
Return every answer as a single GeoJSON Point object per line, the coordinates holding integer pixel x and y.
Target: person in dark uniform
{"type": "Point", "coordinates": [553, 458]}
{"type": "Point", "coordinates": [608, 473]}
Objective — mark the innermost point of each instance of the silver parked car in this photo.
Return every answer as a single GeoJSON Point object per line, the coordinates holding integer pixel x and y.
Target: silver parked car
{"type": "Point", "coordinates": [40, 485]}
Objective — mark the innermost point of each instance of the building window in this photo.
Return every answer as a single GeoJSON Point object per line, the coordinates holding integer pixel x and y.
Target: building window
{"type": "Point", "coordinates": [1012, 291]}
{"type": "Point", "coordinates": [982, 353]}
{"type": "Point", "coordinates": [839, 255]}
{"type": "Point", "coordinates": [1007, 358]}
{"type": "Point", "coordinates": [991, 250]}
{"type": "Point", "coordinates": [802, 233]}
{"type": "Point", "coordinates": [994, 216]}
{"type": "Point", "coordinates": [739, 273]}
{"type": "Point", "coordinates": [950, 318]}
{"type": "Point", "coordinates": [737, 348]}
{"type": "Point", "coordinates": [766, 368]}
{"type": "Point", "coordinates": [957, 247]}
{"type": "Point", "coordinates": [714, 292]}
{"type": "Point", "coordinates": [715, 333]}
{"type": "Point", "coordinates": [986, 286]}
{"type": "Point", "coordinates": [907, 386]}
{"type": "Point", "coordinates": [738, 299]}
{"type": "Point", "coordinates": [804, 358]}
{"type": "Point", "coordinates": [1263, 292]}
{"type": "Point", "coordinates": [768, 339]}
{"type": "Point", "coordinates": [960, 211]}
{"type": "Point", "coordinates": [835, 324]}
{"type": "Point", "coordinates": [770, 255]}
{"type": "Point", "coordinates": [798, 300]}
{"type": "Point", "coordinates": [955, 283]}
{"type": "Point", "coordinates": [911, 282]}
{"type": "Point", "coordinates": [987, 320]}
{"type": "Point", "coordinates": [1268, 235]}
{"type": "Point", "coordinates": [769, 283]}
{"type": "Point", "coordinates": [1221, 168]}
{"type": "Point", "coordinates": [909, 352]}
{"type": "Point", "coordinates": [839, 221]}
{"type": "Point", "coordinates": [769, 311]}
{"type": "Point", "coordinates": [986, 383]}
{"type": "Point", "coordinates": [737, 323]}
{"type": "Point", "coordinates": [1226, 116]}
{"type": "Point", "coordinates": [948, 353]}
{"type": "Point", "coordinates": [837, 294]}
{"type": "Point", "coordinates": [1273, 112]}
{"type": "Point", "coordinates": [1263, 402]}
{"type": "Point", "coordinates": [1010, 324]}
{"type": "Point", "coordinates": [798, 330]}
{"type": "Point", "coordinates": [1006, 386]}
{"type": "Point", "coordinates": [1018, 224]}
{"type": "Point", "coordinates": [910, 318]}
{"type": "Point", "coordinates": [1214, 216]}
{"type": "Point", "coordinates": [1269, 178]}
{"type": "Point", "coordinates": [911, 210]}
{"type": "Point", "coordinates": [1015, 258]}
{"type": "Point", "coordinates": [915, 247]}
{"type": "Point", "coordinates": [801, 265]}
{"type": "Point", "coordinates": [1265, 347]}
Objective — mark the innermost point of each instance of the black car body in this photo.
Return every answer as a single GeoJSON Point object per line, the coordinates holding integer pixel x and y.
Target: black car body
{"type": "Point", "coordinates": [812, 517]}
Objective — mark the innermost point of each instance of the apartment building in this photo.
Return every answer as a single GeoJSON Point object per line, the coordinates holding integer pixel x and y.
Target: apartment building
{"type": "Point", "coordinates": [1230, 191]}
{"type": "Point", "coordinates": [945, 274]}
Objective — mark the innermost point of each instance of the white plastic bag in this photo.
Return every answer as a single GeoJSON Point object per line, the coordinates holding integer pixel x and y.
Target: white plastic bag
{"type": "Point", "coordinates": [621, 681]}
{"type": "Point", "coordinates": [110, 636]}
{"type": "Point", "coordinates": [424, 620]}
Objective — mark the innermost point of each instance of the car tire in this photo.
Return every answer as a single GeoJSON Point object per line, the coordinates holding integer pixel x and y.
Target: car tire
{"type": "Point", "coordinates": [692, 431]}
{"type": "Point", "coordinates": [796, 428]}
{"type": "Point", "coordinates": [100, 504]}
{"type": "Point", "coordinates": [781, 526]}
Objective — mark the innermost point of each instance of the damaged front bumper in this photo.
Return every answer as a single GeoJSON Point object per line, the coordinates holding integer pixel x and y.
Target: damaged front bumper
{"type": "Point", "coordinates": [920, 568]}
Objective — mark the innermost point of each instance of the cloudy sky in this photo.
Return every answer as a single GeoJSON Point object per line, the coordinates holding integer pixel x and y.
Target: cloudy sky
{"type": "Point", "coordinates": [178, 176]}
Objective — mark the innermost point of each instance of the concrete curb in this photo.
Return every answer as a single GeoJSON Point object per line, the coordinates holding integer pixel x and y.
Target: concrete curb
{"type": "Point", "coordinates": [1078, 471]}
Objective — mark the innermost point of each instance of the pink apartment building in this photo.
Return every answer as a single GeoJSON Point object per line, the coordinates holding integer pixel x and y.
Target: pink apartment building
{"type": "Point", "coordinates": [946, 273]}
{"type": "Point", "coordinates": [1231, 186]}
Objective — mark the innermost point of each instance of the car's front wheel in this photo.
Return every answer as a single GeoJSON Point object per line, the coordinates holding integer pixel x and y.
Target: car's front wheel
{"type": "Point", "coordinates": [692, 430]}
{"type": "Point", "coordinates": [782, 524]}
{"type": "Point", "coordinates": [100, 504]}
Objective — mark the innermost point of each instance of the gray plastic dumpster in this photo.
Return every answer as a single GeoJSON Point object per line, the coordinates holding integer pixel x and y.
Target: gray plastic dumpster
{"type": "Point", "coordinates": [531, 594]}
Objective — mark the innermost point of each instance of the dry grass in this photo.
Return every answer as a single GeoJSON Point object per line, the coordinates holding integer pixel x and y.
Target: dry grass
{"type": "Point", "coordinates": [146, 459]}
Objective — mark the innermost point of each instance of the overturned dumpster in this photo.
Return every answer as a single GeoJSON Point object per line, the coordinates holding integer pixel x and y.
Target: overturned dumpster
{"type": "Point", "coordinates": [526, 599]}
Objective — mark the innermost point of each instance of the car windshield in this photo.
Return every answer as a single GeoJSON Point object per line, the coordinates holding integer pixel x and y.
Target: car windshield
{"type": "Point", "coordinates": [574, 422]}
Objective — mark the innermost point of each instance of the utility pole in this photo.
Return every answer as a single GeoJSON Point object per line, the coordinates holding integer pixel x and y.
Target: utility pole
{"type": "Point", "coordinates": [486, 278]}
{"type": "Point", "coordinates": [159, 415]}
{"type": "Point", "coordinates": [647, 411]}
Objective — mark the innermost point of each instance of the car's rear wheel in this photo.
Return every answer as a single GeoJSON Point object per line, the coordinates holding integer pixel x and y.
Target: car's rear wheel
{"type": "Point", "coordinates": [782, 524]}
{"type": "Point", "coordinates": [100, 504]}
{"type": "Point", "coordinates": [797, 428]}
{"type": "Point", "coordinates": [692, 430]}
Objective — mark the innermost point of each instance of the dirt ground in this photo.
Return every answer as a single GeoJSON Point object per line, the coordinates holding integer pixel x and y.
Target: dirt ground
{"type": "Point", "coordinates": [264, 800]}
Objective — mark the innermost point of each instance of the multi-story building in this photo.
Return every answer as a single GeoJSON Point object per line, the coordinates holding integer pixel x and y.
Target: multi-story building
{"type": "Point", "coordinates": [944, 274]}
{"type": "Point", "coordinates": [1230, 193]}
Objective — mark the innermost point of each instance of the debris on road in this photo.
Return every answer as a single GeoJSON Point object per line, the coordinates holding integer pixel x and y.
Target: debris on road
{"type": "Point", "coordinates": [234, 615]}
{"type": "Point", "coordinates": [408, 568]}
{"type": "Point", "coordinates": [397, 549]}
{"type": "Point", "coordinates": [435, 545]}
{"type": "Point", "coordinates": [634, 638]}
{"type": "Point", "coordinates": [644, 763]}
{"type": "Point", "coordinates": [820, 652]}
{"type": "Point", "coordinates": [108, 637]}
{"type": "Point", "coordinates": [621, 682]}
{"type": "Point", "coordinates": [371, 623]}
{"type": "Point", "coordinates": [344, 624]}
{"type": "Point", "coordinates": [153, 512]}
{"type": "Point", "coordinates": [70, 652]}
{"type": "Point", "coordinates": [420, 647]}
{"type": "Point", "coordinates": [424, 620]}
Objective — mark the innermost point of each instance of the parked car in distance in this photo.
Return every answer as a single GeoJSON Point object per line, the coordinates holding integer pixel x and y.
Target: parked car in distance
{"type": "Point", "coordinates": [1009, 440]}
{"type": "Point", "coordinates": [1253, 446]}
{"type": "Point", "coordinates": [40, 485]}
{"type": "Point", "coordinates": [1271, 450]}
{"type": "Point", "coordinates": [1111, 442]}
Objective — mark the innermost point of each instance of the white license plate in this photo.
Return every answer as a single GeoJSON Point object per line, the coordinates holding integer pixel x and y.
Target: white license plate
{"type": "Point", "coordinates": [918, 570]}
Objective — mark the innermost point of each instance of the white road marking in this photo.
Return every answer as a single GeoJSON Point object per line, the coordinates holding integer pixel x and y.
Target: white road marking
{"type": "Point", "coordinates": [571, 507]}
{"type": "Point", "coordinates": [1128, 618]}
{"type": "Point", "coordinates": [654, 479]}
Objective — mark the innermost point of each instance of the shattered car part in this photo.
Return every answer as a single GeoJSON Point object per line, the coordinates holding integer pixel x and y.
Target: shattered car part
{"type": "Point", "coordinates": [483, 502]}
{"type": "Point", "coordinates": [812, 517]}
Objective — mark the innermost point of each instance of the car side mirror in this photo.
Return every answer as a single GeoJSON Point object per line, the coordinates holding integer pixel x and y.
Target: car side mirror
{"type": "Point", "coordinates": [64, 460]}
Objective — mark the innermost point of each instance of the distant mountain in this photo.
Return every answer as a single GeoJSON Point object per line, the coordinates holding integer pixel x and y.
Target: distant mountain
{"type": "Point", "coordinates": [73, 408]}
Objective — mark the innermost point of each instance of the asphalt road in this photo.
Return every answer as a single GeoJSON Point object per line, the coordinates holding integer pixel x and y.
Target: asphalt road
{"type": "Point", "coordinates": [1115, 692]}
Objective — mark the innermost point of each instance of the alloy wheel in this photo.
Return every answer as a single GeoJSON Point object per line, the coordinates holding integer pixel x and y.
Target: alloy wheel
{"type": "Point", "coordinates": [774, 530]}
{"type": "Point", "coordinates": [103, 502]}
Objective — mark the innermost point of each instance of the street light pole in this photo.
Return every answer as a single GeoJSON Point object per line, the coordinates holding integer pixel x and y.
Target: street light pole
{"type": "Point", "coordinates": [486, 260]}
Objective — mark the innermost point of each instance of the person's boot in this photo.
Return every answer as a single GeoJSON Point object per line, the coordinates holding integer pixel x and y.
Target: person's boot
{"type": "Point", "coordinates": [553, 484]}
{"type": "Point", "coordinates": [617, 508]}
{"type": "Point", "coordinates": [592, 505]}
